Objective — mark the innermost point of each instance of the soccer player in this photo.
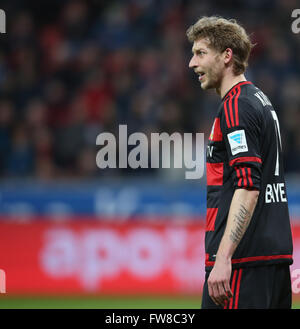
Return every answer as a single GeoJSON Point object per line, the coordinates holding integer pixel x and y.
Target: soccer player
{"type": "Point", "coordinates": [248, 240]}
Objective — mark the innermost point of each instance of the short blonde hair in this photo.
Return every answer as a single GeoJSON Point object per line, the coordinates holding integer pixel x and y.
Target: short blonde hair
{"type": "Point", "coordinates": [224, 33]}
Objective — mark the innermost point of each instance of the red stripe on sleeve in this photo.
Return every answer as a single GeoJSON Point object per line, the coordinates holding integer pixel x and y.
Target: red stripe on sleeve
{"type": "Point", "coordinates": [226, 113]}
{"type": "Point", "coordinates": [239, 177]}
{"type": "Point", "coordinates": [236, 106]}
{"type": "Point", "coordinates": [245, 159]}
{"type": "Point", "coordinates": [230, 107]}
{"type": "Point", "coordinates": [244, 176]}
{"type": "Point", "coordinates": [249, 177]}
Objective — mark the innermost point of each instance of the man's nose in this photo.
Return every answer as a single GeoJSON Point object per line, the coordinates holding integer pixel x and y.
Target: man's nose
{"type": "Point", "coordinates": [192, 63]}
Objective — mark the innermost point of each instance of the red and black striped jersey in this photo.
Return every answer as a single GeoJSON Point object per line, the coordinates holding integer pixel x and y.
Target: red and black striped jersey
{"type": "Point", "coordinates": [244, 151]}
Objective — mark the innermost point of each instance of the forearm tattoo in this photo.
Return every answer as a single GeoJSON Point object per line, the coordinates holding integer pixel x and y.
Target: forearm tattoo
{"type": "Point", "coordinates": [241, 221]}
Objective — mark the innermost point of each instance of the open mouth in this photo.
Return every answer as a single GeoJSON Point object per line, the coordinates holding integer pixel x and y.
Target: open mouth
{"type": "Point", "coordinates": [201, 75]}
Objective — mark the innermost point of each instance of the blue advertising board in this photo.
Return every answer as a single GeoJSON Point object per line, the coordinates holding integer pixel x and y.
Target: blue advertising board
{"type": "Point", "coordinates": [123, 199]}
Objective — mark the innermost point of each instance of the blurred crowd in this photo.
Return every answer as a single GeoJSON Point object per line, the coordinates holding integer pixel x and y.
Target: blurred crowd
{"type": "Point", "coordinates": [70, 70]}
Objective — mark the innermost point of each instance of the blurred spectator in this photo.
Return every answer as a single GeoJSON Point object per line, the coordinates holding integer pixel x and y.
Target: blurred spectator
{"type": "Point", "coordinates": [20, 161]}
{"type": "Point", "coordinates": [6, 124]}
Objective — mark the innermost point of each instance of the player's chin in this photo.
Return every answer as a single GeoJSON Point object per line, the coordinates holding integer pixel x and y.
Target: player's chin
{"type": "Point", "coordinates": [205, 85]}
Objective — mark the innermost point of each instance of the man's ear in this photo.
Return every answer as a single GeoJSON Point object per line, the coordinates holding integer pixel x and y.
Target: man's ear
{"type": "Point", "coordinates": [228, 55]}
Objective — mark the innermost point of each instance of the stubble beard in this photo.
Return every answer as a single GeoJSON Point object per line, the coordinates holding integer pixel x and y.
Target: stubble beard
{"type": "Point", "coordinates": [212, 81]}
{"type": "Point", "coordinates": [213, 77]}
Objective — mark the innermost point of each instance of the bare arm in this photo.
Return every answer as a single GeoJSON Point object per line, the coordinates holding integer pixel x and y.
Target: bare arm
{"type": "Point", "coordinates": [241, 209]}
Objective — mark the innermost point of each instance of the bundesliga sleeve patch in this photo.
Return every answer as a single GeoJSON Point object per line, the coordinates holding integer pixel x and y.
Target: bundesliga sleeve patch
{"type": "Point", "coordinates": [237, 141]}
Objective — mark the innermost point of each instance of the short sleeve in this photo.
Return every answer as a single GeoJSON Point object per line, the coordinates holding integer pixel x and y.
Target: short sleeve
{"type": "Point", "coordinates": [241, 124]}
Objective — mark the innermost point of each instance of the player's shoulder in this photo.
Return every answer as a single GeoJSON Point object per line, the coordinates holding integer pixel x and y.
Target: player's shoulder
{"type": "Point", "coordinates": [241, 101]}
{"type": "Point", "coordinates": [244, 94]}
{"type": "Point", "coordinates": [254, 97]}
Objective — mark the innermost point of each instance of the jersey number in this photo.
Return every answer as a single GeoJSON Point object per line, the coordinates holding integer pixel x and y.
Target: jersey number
{"type": "Point", "coordinates": [278, 141]}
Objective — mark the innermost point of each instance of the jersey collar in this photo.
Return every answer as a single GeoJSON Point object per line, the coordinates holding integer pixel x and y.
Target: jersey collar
{"type": "Point", "coordinates": [234, 86]}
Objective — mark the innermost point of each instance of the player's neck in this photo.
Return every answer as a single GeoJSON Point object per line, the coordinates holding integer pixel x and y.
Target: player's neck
{"type": "Point", "coordinates": [228, 82]}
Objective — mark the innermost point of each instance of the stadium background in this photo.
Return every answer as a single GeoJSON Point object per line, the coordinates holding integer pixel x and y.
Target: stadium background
{"type": "Point", "coordinates": [73, 235]}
